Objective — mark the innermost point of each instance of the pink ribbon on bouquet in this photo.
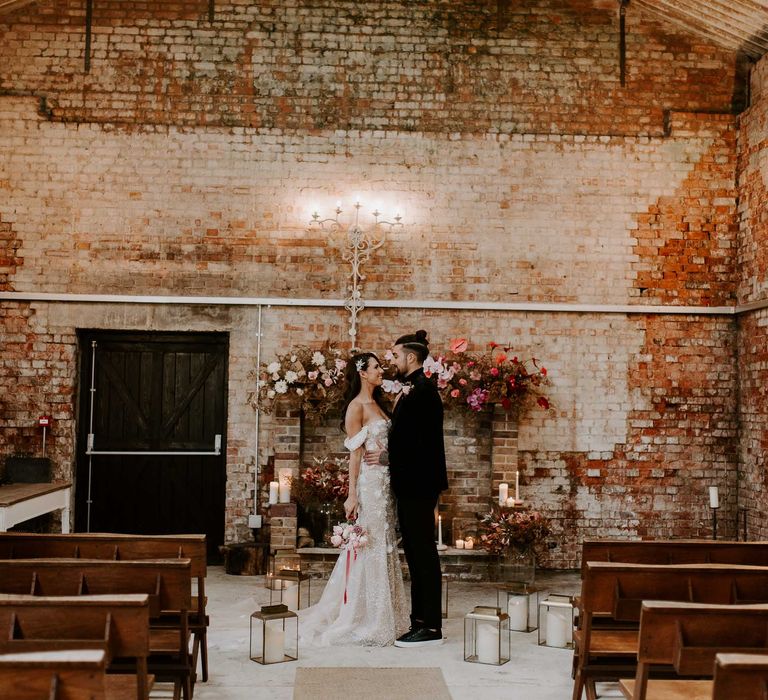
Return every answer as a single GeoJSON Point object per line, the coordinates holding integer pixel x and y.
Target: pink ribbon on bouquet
{"type": "Point", "coordinates": [346, 574]}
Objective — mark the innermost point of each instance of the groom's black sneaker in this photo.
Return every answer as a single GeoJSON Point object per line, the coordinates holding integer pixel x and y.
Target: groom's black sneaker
{"type": "Point", "coordinates": [421, 637]}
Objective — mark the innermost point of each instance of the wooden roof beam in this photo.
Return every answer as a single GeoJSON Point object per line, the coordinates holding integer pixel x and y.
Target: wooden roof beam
{"type": "Point", "coordinates": [11, 5]}
{"type": "Point", "coordinates": [718, 18]}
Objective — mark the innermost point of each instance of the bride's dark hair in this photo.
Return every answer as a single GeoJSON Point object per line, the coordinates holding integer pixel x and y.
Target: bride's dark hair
{"type": "Point", "coordinates": [352, 383]}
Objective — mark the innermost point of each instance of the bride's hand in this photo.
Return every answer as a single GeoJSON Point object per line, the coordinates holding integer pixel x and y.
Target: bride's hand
{"type": "Point", "coordinates": [350, 508]}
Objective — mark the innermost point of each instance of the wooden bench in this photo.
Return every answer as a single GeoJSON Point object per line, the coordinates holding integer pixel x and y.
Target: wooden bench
{"type": "Point", "coordinates": [167, 583]}
{"type": "Point", "coordinates": [122, 547]}
{"type": "Point", "coordinates": [743, 676]}
{"type": "Point", "coordinates": [618, 591]}
{"type": "Point", "coordinates": [684, 638]}
{"type": "Point", "coordinates": [117, 625]}
{"type": "Point", "coordinates": [57, 675]}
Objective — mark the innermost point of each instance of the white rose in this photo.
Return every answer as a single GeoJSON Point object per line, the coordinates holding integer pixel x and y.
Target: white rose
{"type": "Point", "coordinates": [318, 359]}
{"type": "Point", "coordinates": [281, 387]}
{"type": "Point", "coordinates": [336, 540]}
{"type": "Point", "coordinates": [293, 358]}
{"type": "Point", "coordinates": [300, 391]}
{"type": "Point", "coordinates": [273, 367]}
{"type": "Point", "coordinates": [270, 394]}
{"type": "Point", "coordinates": [275, 377]}
{"type": "Point", "coordinates": [291, 376]}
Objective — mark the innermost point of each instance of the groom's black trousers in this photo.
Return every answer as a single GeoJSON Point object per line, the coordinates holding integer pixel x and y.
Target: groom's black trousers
{"type": "Point", "coordinates": [417, 526]}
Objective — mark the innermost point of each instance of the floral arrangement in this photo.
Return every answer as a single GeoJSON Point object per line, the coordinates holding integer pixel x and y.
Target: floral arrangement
{"type": "Point", "coordinates": [495, 376]}
{"type": "Point", "coordinates": [327, 480]}
{"type": "Point", "coordinates": [513, 529]}
{"type": "Point", "coordinates": [350, 536]}
{"type": "Point", "coordinates": [312, 378]}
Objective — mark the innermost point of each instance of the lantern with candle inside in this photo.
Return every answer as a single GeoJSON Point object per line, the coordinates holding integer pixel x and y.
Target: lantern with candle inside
{"type": "Point", "coordinates": [486, 636]}
{"type": "Point", "coordinates": [274, 635]}
{"type": "Point", "coordinates": [556, 621]}
{"type": "Point", "coordinates": [444, 596]}
{"type": "Point", "coordinates": [521, 601]}
{"type": "Point", "coordinates": [284, 484]}
{"type": "Point", "coordinates": [292, 588]}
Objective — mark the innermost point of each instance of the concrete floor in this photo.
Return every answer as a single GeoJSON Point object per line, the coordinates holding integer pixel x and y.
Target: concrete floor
{"type": "Point", "coordinates": [533, 673]}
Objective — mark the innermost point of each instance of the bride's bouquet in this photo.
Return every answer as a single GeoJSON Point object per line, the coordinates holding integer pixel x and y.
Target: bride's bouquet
{"type": "Point", "coordinates": [349, 536]}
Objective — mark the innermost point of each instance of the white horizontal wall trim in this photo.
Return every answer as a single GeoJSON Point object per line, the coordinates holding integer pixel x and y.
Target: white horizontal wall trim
{"type": "Point", "coordinates": [388, 304]}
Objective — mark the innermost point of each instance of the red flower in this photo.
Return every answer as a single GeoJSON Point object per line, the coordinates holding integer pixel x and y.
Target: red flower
{"type": "Point", "coordinates": [494, 371]}
{"type": "Point", "coordinates": [493, 345]}
{"type": "Point", "coordinates": [501, 358]}
{"type": "Point", "coordinates": [544, 371]}
{"type": "Point", "coordinates": [506, 403]}
{"type": "Point", "coordinates": [542, 402]}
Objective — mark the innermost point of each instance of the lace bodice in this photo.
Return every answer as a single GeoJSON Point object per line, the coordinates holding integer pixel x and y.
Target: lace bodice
{"type": "Point", "coordinates": [376, 611]}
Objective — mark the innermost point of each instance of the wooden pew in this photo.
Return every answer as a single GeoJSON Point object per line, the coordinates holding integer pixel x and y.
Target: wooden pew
{"type": "Point", "coordinates": [117, 625]}
{"type": "Point", "coordinates": [743, 676]}
{"type": "Point", "coordinates": [55, 675]}
{"type": "Point", "coordinates": [674, 552]}
{"type": "Point", "coordinates": [17, 545]}
{"type": "Point", "coordinates": [166, 582]}
{"type": "Point", "coordinates": [618, 591]}
{"type": "Point", "coordinates": [682, 640]}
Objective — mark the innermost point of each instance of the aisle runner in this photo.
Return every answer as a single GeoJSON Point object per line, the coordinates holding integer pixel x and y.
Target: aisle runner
{"type": "Point", "coordinates": [370, 684]}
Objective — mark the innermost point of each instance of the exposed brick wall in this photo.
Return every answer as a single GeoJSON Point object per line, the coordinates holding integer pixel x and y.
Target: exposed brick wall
{"type": "Point", "coordinates": [753, 287]}
{"type": "Point", "coordinates": [393, 65]}
{"type": "Point", "coordinates": [191, 157]}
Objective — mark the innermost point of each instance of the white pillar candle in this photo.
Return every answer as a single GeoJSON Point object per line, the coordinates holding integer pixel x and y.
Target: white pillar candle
{"type": "Point", "coordinates": [557, 628]}
{"type": "Point", "coordinates": [291, 597]}
{"type": "Point", "coordinates": [503, 493]}
{"type": "Point", "coordinates": [439, 530]}
{"type": "Point", "coordinates": [487, 643]}
{"type": "Point", "coordinates": [517, 486]}
{"type": "Point", "coordinates": [469, 543]}
{"type": "Point", "coordinates": [284, 478]}
{"type": "Point", "coordinates": [517, 609]}
{"type": "Point", "coordinates": [274, 643]}
{"type": "Point", "coordinates": [510, 502]}
{"type": "Point", "coordinates": [274, 488]}
{"type": "Point", "coordinates": [714, 497]}
{"type": "Point", "coordinates": [459, 544]}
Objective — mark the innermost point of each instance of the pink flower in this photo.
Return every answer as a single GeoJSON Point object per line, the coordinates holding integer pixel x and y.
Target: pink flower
{"type": "Point", "coordinates": [463, 381]}
{"type": "Point", "coordinates": [475, 376]}
{"type": "Point", "coordinates": [427, 373]}
{"type": "Point", "coordinates": [312, 375]}
{"type": "Point", "coordinates": [455, 393]}
{"type": "Point", "coordinates": [328, 382]}
{"type": "Point", "coordinates": [458, 345]}
{"type": "Point", "coordinates": [494, 371]}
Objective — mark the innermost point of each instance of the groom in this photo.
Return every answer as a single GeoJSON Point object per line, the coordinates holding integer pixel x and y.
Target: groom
{"type": "Point", "coordinates": [416, 461]}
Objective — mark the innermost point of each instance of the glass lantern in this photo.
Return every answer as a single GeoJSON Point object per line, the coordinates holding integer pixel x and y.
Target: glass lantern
{"type": "Point", "coordinates": [486, 636]}
{"type": "Point", "coordinates": [274, 635]}
{"type": "Point", "coordinates": [445, 596]}
{"type": "Point", "coordinates": [521, 601]}
{"type": "Point", "coordinates": [292, 588]}
{"type": "Point", "coordinates": [556, 621]}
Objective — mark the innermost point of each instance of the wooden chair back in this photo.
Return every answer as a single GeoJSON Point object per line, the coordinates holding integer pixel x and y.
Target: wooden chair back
{"type": "Point", "coordinates": [742, 676]}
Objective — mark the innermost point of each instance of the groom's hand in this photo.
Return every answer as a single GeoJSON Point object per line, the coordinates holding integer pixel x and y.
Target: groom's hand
{"type": "Point", "coordinates": [377, 457]}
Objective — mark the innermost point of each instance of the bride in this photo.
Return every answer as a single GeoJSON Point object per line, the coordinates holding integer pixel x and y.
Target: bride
{"type": "Point", "coordinates": [364, 600]}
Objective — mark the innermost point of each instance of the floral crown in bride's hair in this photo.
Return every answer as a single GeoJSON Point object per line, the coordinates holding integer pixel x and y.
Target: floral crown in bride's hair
{"type": "Point", "coordinates": [359, 365]}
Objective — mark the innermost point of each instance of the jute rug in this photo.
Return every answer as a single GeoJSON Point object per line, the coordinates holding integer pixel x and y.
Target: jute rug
{"type": "Point", "coordinates": [370, 684]}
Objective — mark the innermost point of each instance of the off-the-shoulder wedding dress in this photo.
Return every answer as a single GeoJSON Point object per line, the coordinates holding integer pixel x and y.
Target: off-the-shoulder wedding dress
{"type": "Point", "coordinates": [375, 612]}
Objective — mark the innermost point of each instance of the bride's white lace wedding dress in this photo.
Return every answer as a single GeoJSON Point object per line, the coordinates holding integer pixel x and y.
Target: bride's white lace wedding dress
{"type": "Point", "coordinates": [376, 611]}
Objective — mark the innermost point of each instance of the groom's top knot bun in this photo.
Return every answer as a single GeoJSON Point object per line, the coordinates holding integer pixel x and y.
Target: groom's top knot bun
{"type": "Point", "coordinates": [421, 337]}
{"type": "Point", "coordinates": [416, 343]}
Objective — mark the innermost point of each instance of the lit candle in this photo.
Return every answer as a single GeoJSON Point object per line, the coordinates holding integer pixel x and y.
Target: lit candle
{"type": "Point", "coordinates": [557, 628]}
{"type": "Point", "coordinates": [517, 609]}
{"type": "Point", "coordinates": [439, 530]}
{"type": "Point", "coordinates": [459, 544]}
{"type": "Point", "coordinates": [487, 643]}
{"type": "Point", "coordinates": [714, 497]}
{"type": "Point", "coordinates": [273, 492]}
{"type": "Point", "coordinates": [291, 597]}
{"type": "Point", "coordinates": [469, 543]}
{"type": "Point", "coordinates": [503, 493]}
{"type": "Point", "coordinates": [274, 643]}
{"type": "Point", "coordinates": [510, 502]}
{"type": "Point", "coordinates": [517, 486]}
{"type": "Point", "coordinates": [285, 485]}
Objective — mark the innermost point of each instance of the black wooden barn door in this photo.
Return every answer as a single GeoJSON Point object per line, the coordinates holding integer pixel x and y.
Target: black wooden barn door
{"type": "Point", "coordinates": [152, 392]}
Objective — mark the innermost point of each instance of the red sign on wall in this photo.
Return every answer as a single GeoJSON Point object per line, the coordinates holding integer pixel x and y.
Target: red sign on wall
{"type": "Point", "coordinates": [44, 421]}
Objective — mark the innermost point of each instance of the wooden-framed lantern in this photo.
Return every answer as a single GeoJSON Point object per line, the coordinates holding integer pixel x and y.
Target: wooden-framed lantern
{"type": "Point", "coordinates": [274, 635]}
{"type": "Point", "coordinates": [556, 621]}
{"type": "Point", "coordinates": [444, 590]}
{"type": "Point", "coordinates": [521, 602]}
{"type": "Point", "coordinates": [486, 636]}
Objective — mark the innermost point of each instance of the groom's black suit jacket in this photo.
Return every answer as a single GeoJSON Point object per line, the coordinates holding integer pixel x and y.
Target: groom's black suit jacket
{"type": "Point", "coordinates": [416, 449]}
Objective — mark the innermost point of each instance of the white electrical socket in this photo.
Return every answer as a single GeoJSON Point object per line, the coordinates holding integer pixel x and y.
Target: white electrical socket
{"type": "Point", "coordinates": [254, 521]}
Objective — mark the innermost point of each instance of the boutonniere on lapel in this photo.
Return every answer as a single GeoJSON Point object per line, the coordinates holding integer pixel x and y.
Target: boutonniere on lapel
{"type": "Point", "coordinates": [395, 387]}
